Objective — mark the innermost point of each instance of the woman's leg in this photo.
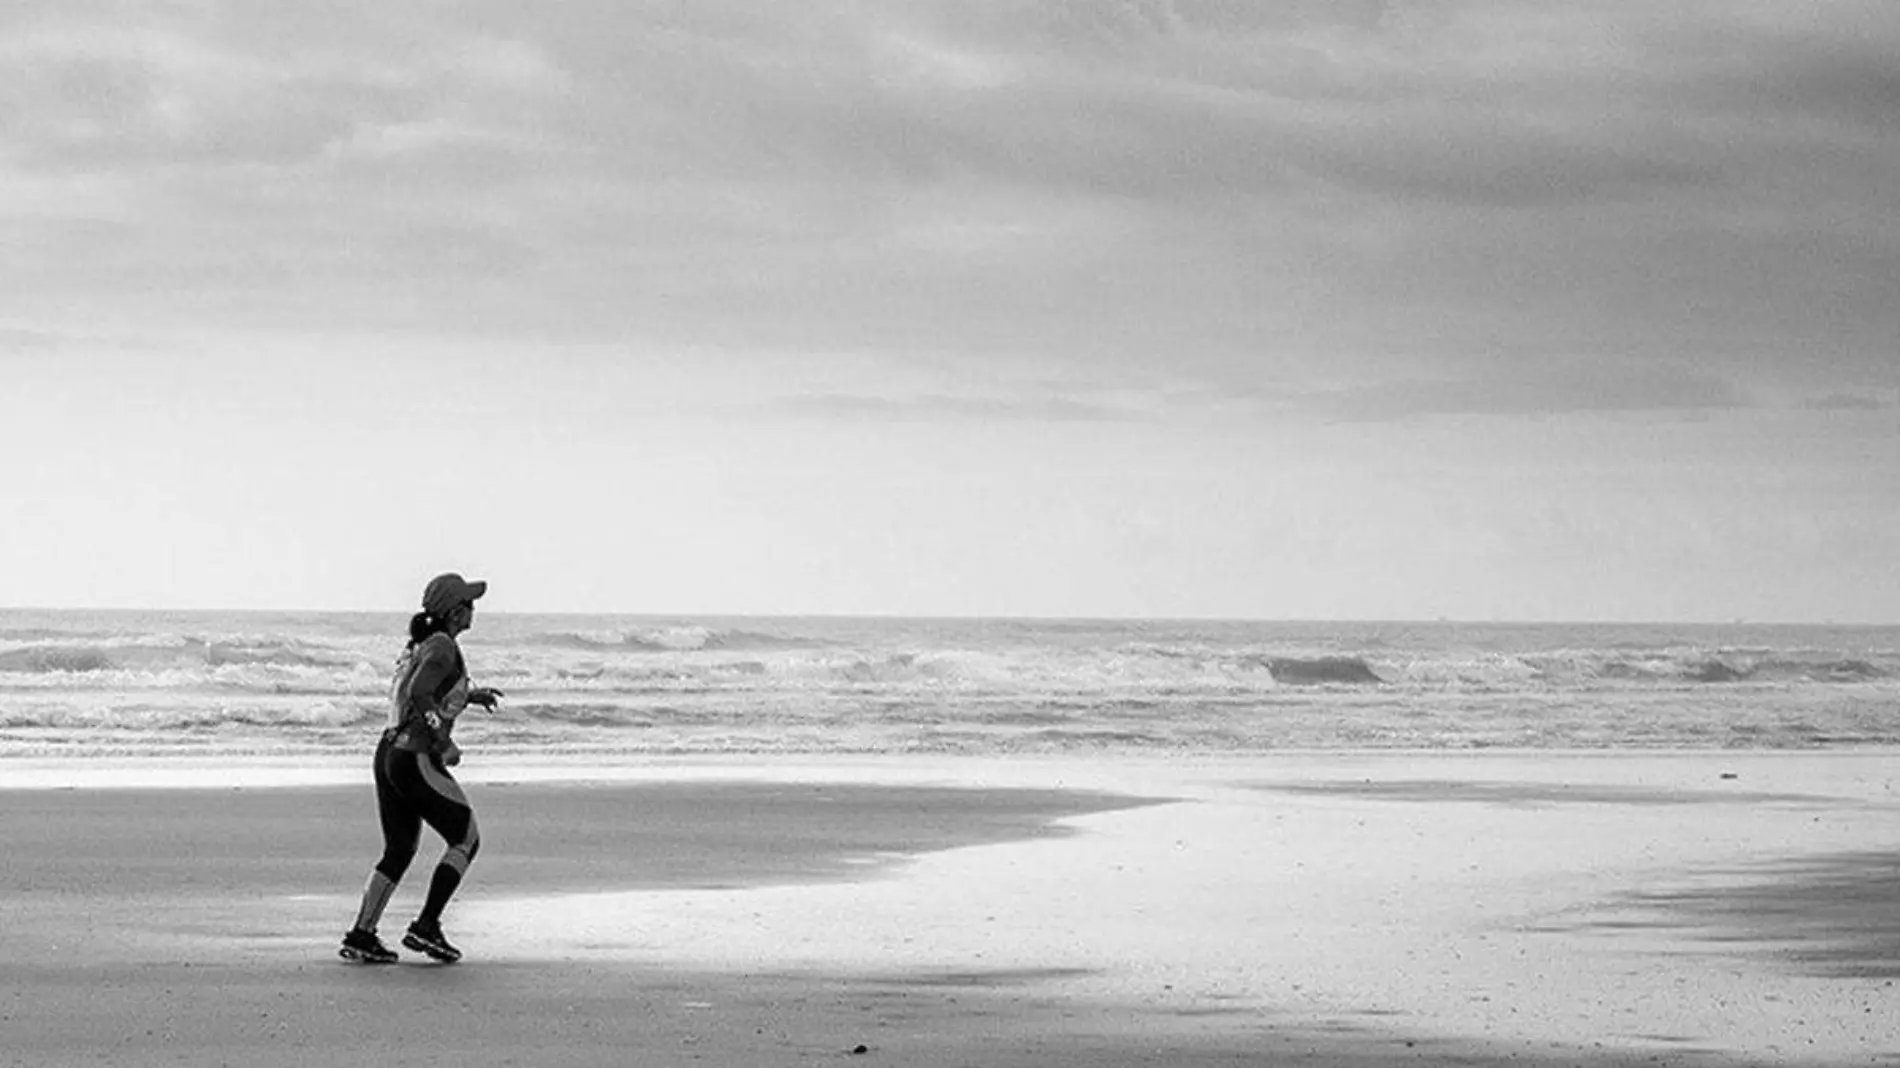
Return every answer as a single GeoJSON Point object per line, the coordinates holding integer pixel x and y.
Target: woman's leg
{"type": "Point", "coordinates": [458, 829]}
{"type": "Point", "coordinates": [445, 808]}
{"type": "Point", "coordinates": [402, 833]}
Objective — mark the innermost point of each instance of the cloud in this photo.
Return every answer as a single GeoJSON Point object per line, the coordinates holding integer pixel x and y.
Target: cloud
{"type": "Point", "coordinates": [15, 341]}
{"type": "Point", "coordinates": [1210, 182]}
{"type": "Point", "coordinates": [1575, 390]}
{"type": "Point", "coordinates": [1472, 104]}
{"type": "Point", "coordinates": [121, 98]}
{"type": "Point", "coordinates": [1845, 402]}
{"type": "Point", "coordinates": [937, 406]}
{"type": "Point", "coordinates": [1469, 103]}
{"type": "Point", "coordinates": [22, 340]}
{"type": "Point", "coordinates": [150, 94]}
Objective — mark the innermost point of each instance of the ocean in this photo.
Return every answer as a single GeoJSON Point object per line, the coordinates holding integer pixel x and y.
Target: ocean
{"type": "Point", "coordinates": [78, 683]}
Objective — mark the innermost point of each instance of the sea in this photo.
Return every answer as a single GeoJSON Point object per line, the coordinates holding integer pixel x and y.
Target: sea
{"type": "Point", "coordinates": [132, 683]}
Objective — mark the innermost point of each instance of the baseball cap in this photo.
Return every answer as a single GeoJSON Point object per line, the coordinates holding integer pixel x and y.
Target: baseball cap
{"type": "Point", "coordinates": [447, 590]}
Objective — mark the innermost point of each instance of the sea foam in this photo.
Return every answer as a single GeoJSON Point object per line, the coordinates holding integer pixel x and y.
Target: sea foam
{"type": "Point", "coordinates": [132, 682]}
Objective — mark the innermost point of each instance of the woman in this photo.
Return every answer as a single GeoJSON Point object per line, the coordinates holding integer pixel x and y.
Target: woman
{"type": "Point", "coordinates": [413, 784]}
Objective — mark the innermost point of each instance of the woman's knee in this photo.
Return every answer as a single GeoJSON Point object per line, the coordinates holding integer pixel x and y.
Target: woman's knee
{"type": "Point", "coordinates": [462, 848]}
{"type": "Point", "coordinates": [474, 837]}
{"type": "Point", "coordinates": [396, 858]}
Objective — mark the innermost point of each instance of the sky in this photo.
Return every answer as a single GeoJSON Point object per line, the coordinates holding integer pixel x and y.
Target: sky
{"type": "Point", "coordinates": [1468, 309]}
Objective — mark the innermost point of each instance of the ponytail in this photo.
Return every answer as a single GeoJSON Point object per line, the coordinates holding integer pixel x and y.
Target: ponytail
{"type": "Point", "coordinates": [421, 625]}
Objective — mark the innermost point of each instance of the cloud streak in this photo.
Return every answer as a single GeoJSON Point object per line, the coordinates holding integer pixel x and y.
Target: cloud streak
{"type": "Point", "coordinates": [937, 406]}
{"type": "Point", "coordinates": [1579, 390]}
{"type": "Point", "coordinates": [1388, 192]}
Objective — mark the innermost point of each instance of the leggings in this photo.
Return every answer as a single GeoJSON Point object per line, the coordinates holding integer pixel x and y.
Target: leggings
{"type": "Point", "coordinates": [413, 789]}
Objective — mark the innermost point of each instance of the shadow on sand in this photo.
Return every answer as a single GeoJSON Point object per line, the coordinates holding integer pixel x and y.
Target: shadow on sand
{"type": "Point", "coordinates": [1536, 793]}
{"type": "Point", "coordinates": [1834, 916]}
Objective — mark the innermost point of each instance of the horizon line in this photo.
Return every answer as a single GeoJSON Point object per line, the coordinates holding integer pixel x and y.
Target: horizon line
{"type": "Point", "coordinates": [1733, 621]}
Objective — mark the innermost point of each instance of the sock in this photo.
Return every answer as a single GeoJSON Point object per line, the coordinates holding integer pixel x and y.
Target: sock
{"type": "Point", "coordinates": [447, 877]}
{"type": "Point", "coordinates": [375, 899]}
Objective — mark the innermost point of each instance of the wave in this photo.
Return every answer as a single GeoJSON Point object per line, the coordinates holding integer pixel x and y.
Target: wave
{"type": "Point", "coordinates": [1348, 670]}
{"type": "Point", "coordinates": [158, 718]}
{"type": "Point", "coordinates": [47, 659]}
{"type": "Point", "coordinates": [671, 640]}
{"type": "Point", "coordinates": [149, 656]}
{"type": "Point", "coordinates": [37, 634]}
{"type": "Point", "coordinates": [1720, 667]}
{"type": "Point", "coordinates": [577, 640]}
{"type": "Point", "coordinates": [276, 654]}
{"type": "Point", "coordinates": [1063, 739]}
{"type": "Point", "coordinates": [901, 667]}
{"type": "Point", "coordinates": [746, 639]}
{"type": "Point", "coordinates": [1108, 673]}
{"type": "Point", "coordinates": [588, 715]}
{"type": "Point", "coordinates": [1714, 671]}
{"type": "Point", "coordinates": [1845, 670]}
{"type": "Point", "coordinates": [603, 683]}
{"type": "Point", "coordinates": [273, 665]}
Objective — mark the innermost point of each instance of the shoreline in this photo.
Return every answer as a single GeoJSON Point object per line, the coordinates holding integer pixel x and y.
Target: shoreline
{"type": "Point", "coordinates": [197, 770]}
{"type": "Point", "coordinates": [1338, 908]}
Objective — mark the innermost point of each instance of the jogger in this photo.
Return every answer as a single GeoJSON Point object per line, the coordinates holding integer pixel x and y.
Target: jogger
{"type": "Point", "coordinates": [413, 783]}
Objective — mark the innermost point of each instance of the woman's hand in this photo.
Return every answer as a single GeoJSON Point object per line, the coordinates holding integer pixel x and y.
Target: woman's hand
{"type": "Point", "coordinates": [486, 696]}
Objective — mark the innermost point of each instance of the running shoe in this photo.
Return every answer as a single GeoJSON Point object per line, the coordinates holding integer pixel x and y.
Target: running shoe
{"type": "Point", "coordinates": [365, 948]}
{"type": "Point", "coordinates": [427, 938]}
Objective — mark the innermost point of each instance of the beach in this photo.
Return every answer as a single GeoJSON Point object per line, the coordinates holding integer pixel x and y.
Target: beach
{"type": "Point", "coordinates": [1327, 908]}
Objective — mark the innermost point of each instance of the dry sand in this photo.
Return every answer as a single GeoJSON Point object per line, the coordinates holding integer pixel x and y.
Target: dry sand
{"type": "Point", "coordinates": [1336, 909]}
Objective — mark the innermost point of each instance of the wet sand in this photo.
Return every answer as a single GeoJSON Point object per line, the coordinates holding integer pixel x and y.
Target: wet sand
{"type": "Point", "coordinates": [1326, 909]}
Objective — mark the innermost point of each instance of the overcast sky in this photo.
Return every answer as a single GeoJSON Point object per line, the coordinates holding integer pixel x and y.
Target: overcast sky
{"type": "Point", "coordinates": [1483, 310]}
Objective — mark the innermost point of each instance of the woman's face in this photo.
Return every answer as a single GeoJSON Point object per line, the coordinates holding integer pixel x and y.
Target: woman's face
{"type": "Point", "coordinates": [460, 617]}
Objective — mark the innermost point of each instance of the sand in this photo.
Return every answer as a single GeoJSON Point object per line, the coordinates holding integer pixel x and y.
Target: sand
{"type": "Point", "coordinates": [1317, 908]}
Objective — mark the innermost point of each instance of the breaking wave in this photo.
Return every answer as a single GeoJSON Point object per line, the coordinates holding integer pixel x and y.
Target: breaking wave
{"type": "Point", "coordinates": [1699, 667]}
{"type": "Point", "coordinates": [122, 681]}
{"type": "Point", "coordinates": [80, 658]}
{"type": "Point", "coordinates": [670, 639]}
{"type": "Point", "coordinates": [1349, 670]}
